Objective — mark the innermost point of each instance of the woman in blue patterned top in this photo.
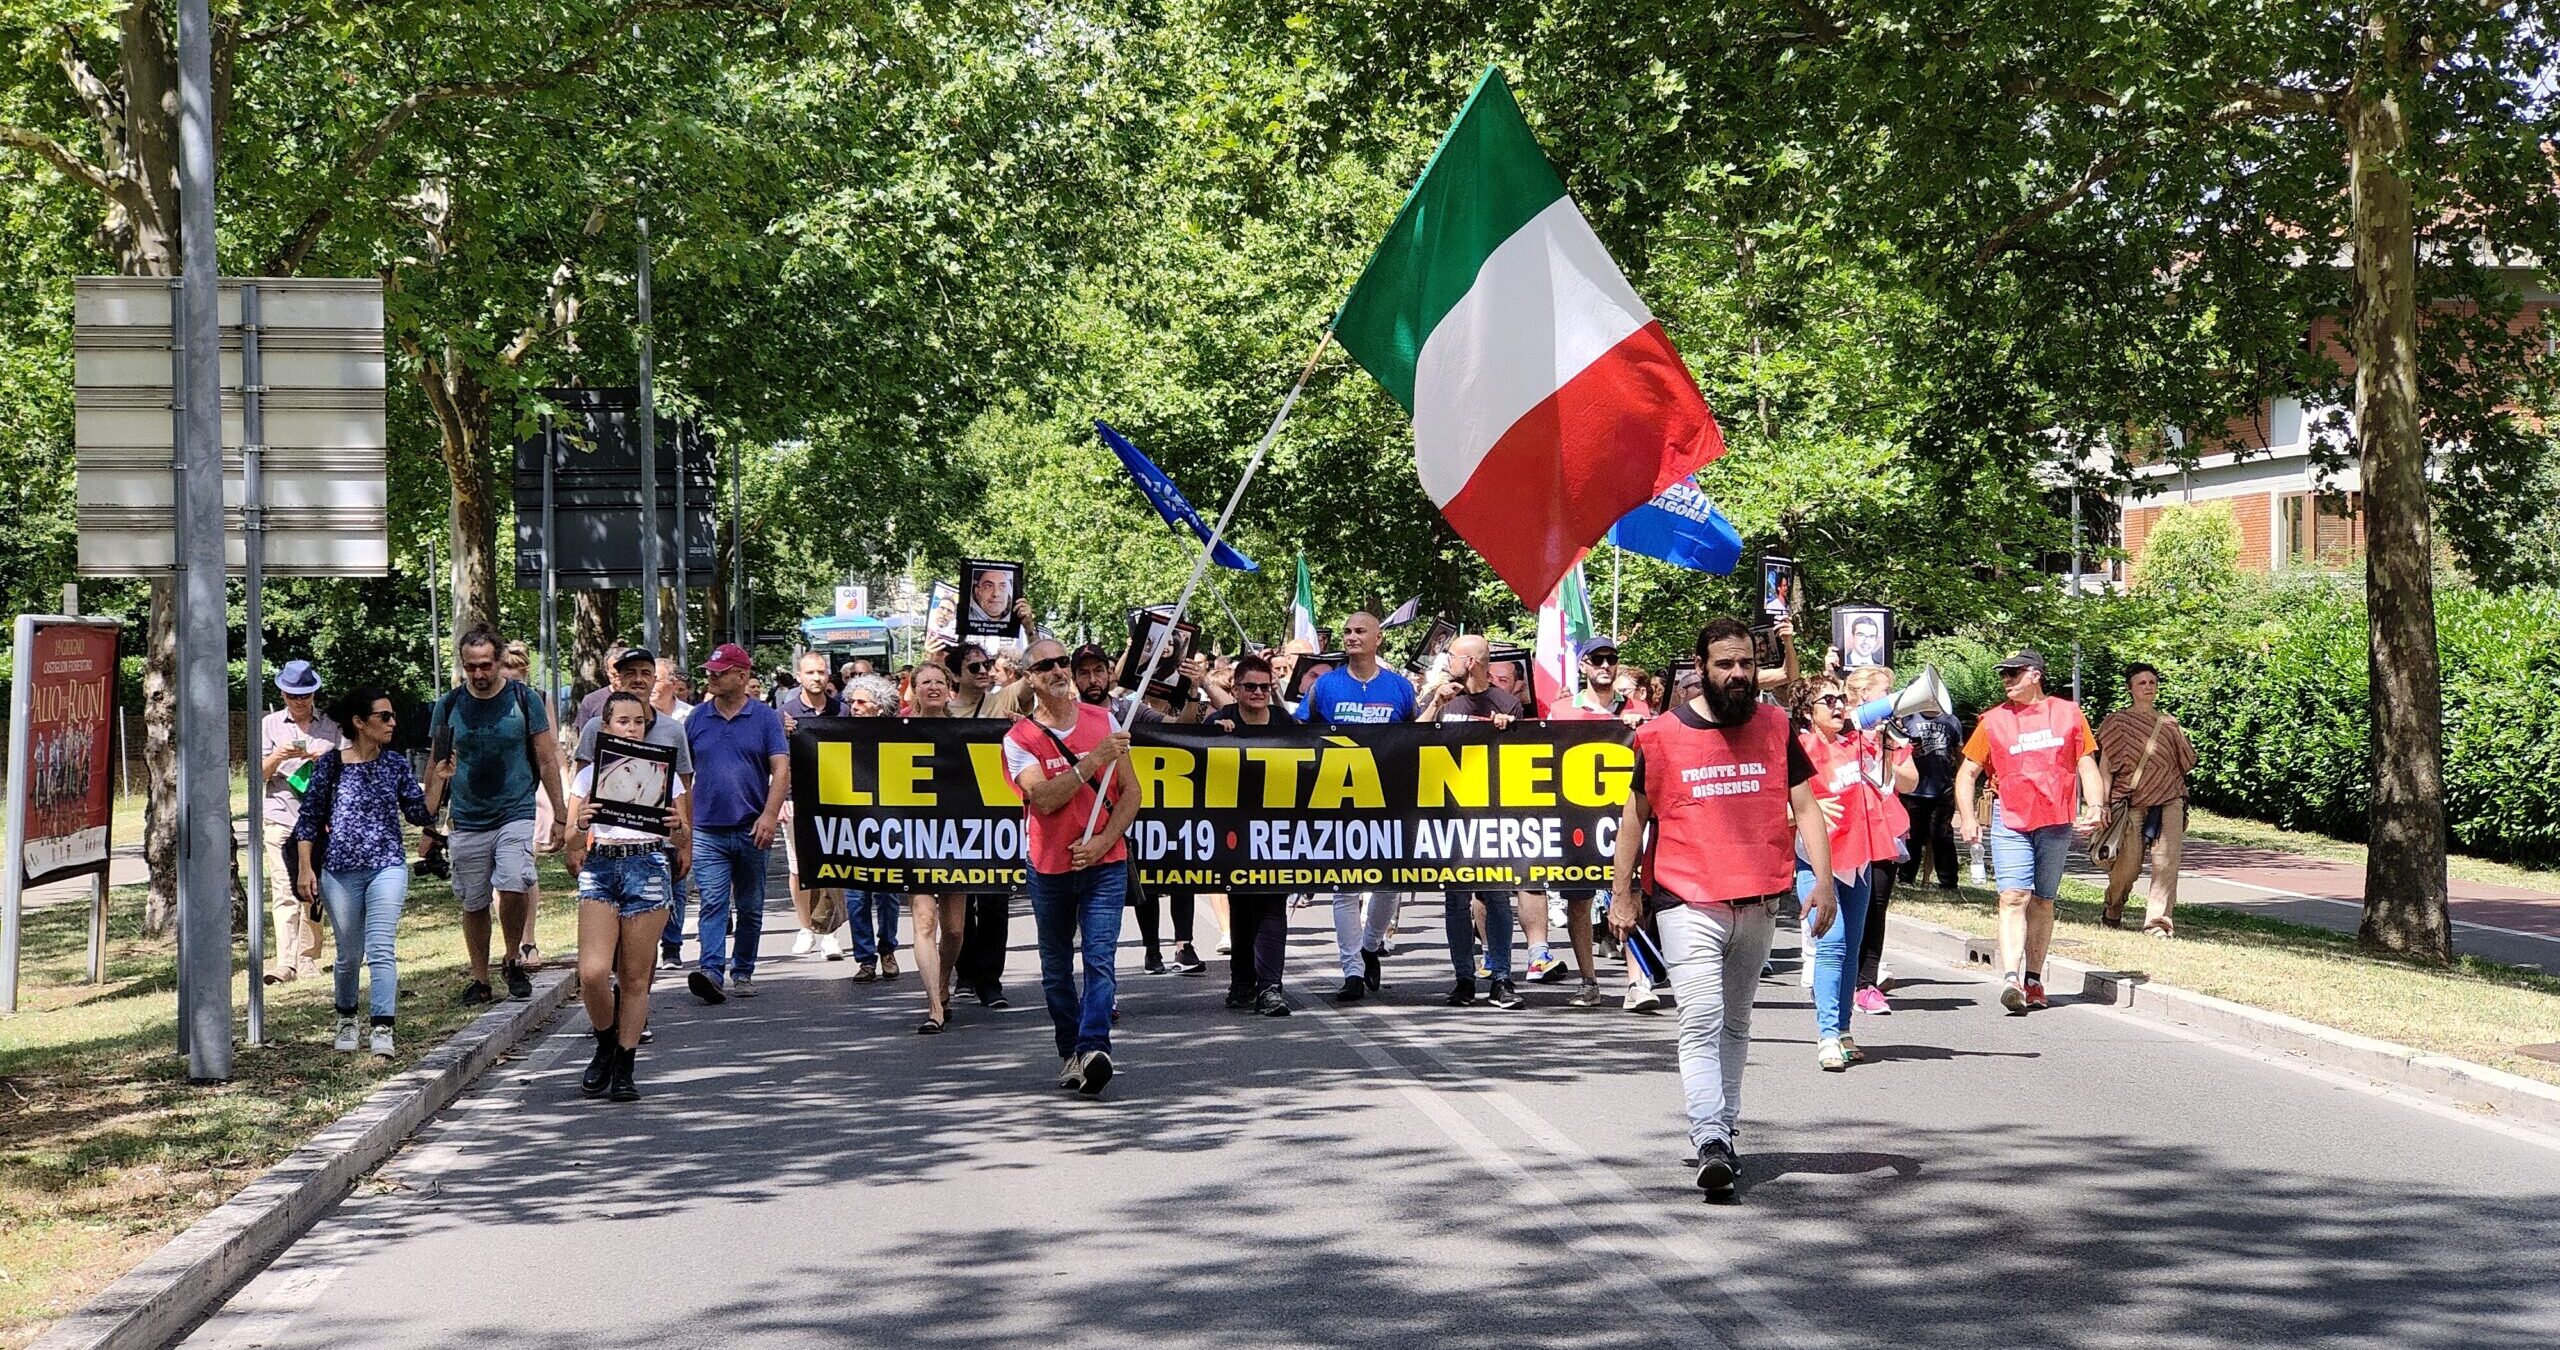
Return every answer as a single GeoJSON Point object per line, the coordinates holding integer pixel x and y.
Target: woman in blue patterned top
{"type": "Point", "coordinates": [351, 852]}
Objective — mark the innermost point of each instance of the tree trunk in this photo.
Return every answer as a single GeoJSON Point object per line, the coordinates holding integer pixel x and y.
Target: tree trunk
{"type": "Point", "coordinates": [160, 760]}
{"type": "Point", "coordinates": [2405, 890]}
{"type": "Point", "coordinates": [598, 619]}
{"type": "Point", "coordinates": [464, 409]}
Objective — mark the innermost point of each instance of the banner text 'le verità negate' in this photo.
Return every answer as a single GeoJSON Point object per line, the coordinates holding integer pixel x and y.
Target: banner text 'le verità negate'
{"type": "Point", "coordinates": [924, 805]}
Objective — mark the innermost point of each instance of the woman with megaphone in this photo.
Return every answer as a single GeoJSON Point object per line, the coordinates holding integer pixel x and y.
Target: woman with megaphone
{"type": "Point", "coordinates": [1853, 777]}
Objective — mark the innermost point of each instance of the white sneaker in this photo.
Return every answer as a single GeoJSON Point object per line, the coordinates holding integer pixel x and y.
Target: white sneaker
{"type": "Point", "coordinates": [1071, 1072]}
{"type": "Point", "coordinates": [804, 944]}
{"type": "Point", "coordinates": [1831, 1055]}
{"type": "Point", "coordinates": [830, 948]}
{"type": "Point", "coordinates": [381, 1042]}
{"type": "Point", "coordinates": [347, 1039]}
{"type": "Point", "coordinates": [1805, 976]}
{"type": "Point", "coordinates": [1640, 996]}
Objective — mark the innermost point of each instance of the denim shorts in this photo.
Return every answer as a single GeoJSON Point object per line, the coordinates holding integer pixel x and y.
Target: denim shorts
{"type": "Point", "coordinates": [633, 883]}
{"type": "Point", "coordinates": [2029, 860]}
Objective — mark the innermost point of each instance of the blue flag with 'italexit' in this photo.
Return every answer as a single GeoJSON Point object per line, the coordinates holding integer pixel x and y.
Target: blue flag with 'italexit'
{"type": "Point", "coordinates": [1681, 527]}
{"type": "Point", "coordinates": [1176, 508]}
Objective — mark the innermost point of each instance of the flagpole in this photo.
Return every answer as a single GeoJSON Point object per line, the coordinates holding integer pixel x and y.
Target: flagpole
{"type": "Point", "coordinates": [1219, 590]}
{"type": "Point", "coordinates": [1199, 569]}
{"type": "Point", "coordinates": [1617, 559]}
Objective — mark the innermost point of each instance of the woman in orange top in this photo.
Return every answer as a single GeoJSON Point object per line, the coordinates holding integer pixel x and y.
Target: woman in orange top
{"type": "Point", "coordinates": [1851, 782]}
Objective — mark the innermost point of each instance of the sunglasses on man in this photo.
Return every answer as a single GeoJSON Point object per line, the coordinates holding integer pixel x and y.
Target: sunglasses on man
{"type": "Point", "coordinates": [1037, 667]}
{"type": "Point", "coordinates": [981, 667]}
{"type": "Point", "coordinates": [1254, 687]}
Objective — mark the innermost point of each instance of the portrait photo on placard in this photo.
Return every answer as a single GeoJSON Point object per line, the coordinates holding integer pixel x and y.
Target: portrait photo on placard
{"type": "Point", "coordinates": [988, 588]}
{"type": "Point", "coordinates": [1863, 635]}
{"type": "Point", "coordinates": [1310, 669]}
{"type": "Point", "coordinates": [1767, 647]}
{"type": "Point", "coordinates": [1144, 627]}
{"type": "Point", "coordinates": [634, 784]}
{"type": "Point", "coordinates": [942, 613]}
{"type": "Point", "coordinates": [1778, 587]}
{"type": "Point", "coordinates": [1435, 643]}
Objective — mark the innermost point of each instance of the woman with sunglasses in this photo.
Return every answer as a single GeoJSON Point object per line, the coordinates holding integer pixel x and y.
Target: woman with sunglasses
{"type": "Point", "coordinates": [940, 919]}
{"type": "Point", "coordinates": [1260, 931]}
{"type": "Point", "coordinates": [874, 913]}
{"type": "Point", "coordinates": [351, 853]}
{"type": "Point", "coordinates": [1852, 776]}
{"type": "Point", "coordinates": [974, 693]}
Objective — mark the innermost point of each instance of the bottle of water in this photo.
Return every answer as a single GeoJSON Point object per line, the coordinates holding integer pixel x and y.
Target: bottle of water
{"type": "Point", "coordinates": [1981, 876]}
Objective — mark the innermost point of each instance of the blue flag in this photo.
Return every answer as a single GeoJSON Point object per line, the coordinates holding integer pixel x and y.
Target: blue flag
{"type": "Point", "coordinates": [1176, 509]}
{"type": "Point", "coordinates": [1683, 528]}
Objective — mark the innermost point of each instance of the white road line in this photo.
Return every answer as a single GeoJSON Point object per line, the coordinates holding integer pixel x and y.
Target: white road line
{"type": "Point", "coordinates": [1712, 1265]}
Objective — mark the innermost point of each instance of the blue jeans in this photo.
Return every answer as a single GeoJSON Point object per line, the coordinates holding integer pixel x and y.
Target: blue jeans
{"type": "Point", "coordinates": [1067, 907]}
{"type": "Point", "coordinates": [364, 914]}
{"type": "Point", "coordinates": [1835, 954]}
{"type": "Point", "coordinates": [1462, 933]}
{"type": "Point", "coordinates": [873, 912]}
{"type": "Point", "coordinates": [730, 869]}
{"type": "Point", "coordinates": [2029, 860]}
{"type": "Point", "coordinates": [671, 941]}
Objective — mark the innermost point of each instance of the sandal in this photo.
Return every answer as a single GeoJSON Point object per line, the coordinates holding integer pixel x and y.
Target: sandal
{"type": "Point", "coordinates": [529, 957]}
{"type": "Point", "coordinates": [932, 1026]}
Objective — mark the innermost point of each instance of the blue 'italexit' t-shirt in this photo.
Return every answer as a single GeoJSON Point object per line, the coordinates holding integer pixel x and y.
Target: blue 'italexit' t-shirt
{"type": "Point", "coordinates": [494, 780]}
{"type": "Point", "coordinates": [732, 762]}
{"type": "Point", "coordinates": [1344, 699]}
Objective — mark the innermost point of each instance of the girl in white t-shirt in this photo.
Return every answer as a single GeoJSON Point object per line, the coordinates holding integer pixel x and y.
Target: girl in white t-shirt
{"type": "Point", "coordinates": [625, 888]}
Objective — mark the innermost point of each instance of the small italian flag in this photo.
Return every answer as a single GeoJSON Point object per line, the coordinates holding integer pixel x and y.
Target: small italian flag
{"type": "Point", "coordinates": [1302, 607]}
{"type": "Point", "coordinates": [1564, 625]}
{"type": "Point", "coordinates": [1547, 401]}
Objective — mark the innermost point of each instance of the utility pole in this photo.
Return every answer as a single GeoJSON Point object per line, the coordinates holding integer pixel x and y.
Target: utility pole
{"type": "Point", "coordinates": [648, 460]}
{"type": "Point", "coordinates": [204, 714]}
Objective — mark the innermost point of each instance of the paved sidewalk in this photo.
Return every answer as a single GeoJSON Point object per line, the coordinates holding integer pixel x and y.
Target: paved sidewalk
{"type": "Point", "coordinates": [2507, 924]}
{"type": "Point", "coordinates": [807, 1171]}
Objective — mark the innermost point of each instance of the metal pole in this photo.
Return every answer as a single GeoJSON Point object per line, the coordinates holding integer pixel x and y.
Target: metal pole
{"type": "Point", "coordinates": [550, 572]}
{"type": "Point", "coordinates": [177, 560]}
{"type": "Point", "coordinates": [648, 460]}
{"type": "Point", "coordinates": [2075, 585]}
{"type": "Point", "coordinates": [204, 812]}
{"type": "Point", "coordinates": [435, 622]}
{"type": "Point", "coordinates": [684, 546]}
{"type": "Point", "coordinates": [1617, 559]}
{"type": "Point", "coordinates": [13, 829]}
{"type": "Point", "coordinates": [253, 522]}
{"type": "Point", "coordinates": [737, 543]}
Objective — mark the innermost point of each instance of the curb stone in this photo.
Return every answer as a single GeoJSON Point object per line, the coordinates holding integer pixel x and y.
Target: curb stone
{"type": "Point", "coordinates": [2475, 1088]}
{"type": "Point", "coordinates": [187, 1278]}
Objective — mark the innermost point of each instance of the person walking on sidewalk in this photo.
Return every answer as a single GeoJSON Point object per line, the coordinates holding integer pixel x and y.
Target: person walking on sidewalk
{"type": "Point", "coordinates": [874, 914]}
{"type": "Point", "coordinates": [941, 919]}
{"type": "Point", "coordinates": [820, 910]}
{"type": "Point", "coordinates": [640, 679]}
{"type": "Point", "coordinates": [291, 737]}
{"type": "Point", "coordinates": [2044, 766]}
{"type": "Point", "coordinates": [1361, 693]}
{"type": "Point", "coordinates": [2148, 758]}
{"type": "Point", "coordinates": [498, 738]}
{"type": "Point", "coordinates": [1888, 757]}
{"type": "Point", "coordinates": [624, 889]}
{"type": "Point", "coordinates": [1728, 790]}
{"type": "Point", "coordinates": [1078, 885]}
{"type": "Point", "coordinates": [741, 778]}
{"type": "Point", "coordinates": [347, 841]}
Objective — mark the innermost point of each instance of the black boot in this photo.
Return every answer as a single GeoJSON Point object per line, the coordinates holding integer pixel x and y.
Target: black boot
{"type": "Point", "coordinates": [623, 1089]}
{"type": "Point", "coordinates": [600, 1069]}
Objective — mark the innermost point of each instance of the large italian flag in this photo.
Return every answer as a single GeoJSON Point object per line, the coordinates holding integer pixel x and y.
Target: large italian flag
{"type": "Point", "coordinates": [1546, 399]}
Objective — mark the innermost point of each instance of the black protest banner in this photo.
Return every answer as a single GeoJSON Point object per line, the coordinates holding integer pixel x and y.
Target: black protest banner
{"type": "Point", "coordinates": [924, 805]}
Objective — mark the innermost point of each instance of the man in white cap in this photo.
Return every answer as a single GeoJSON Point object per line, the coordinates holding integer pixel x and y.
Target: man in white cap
{"type": "Point", "coordinates": [288, 739]}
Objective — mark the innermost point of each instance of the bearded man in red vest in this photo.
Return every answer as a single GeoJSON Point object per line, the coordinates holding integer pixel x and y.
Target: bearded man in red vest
{"type": "Point", "coordinates": [2039, 750]}
{"type": "Point", "coordinates": [1725, 784]}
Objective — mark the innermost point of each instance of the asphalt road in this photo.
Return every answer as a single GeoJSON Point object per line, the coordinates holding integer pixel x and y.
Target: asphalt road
{"type": "Point", "coordinates": [808, 1171]}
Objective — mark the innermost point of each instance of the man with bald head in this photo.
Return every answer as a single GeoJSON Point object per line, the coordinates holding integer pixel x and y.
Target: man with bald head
{"type": "Point", "coordinates": [1464, 692]}
{"type": "Point", "coordinates": [1361, 693]}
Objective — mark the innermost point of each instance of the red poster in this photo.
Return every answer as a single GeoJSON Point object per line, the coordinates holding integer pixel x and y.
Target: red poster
{"type": "Point", "coordinates": [68, 676]}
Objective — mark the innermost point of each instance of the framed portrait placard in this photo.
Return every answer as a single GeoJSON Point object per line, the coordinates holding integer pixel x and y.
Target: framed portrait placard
{"type": "Point", "coordinates": [634, 784]}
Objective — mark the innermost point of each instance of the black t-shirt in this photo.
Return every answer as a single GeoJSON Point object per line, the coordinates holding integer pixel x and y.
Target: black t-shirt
{"type": "Point", "coordinates": [1799, 765]}
{"type": "Point", "coordinates": [1484, 707]}
{"type": "Point", "coordinates": [1229, 720]}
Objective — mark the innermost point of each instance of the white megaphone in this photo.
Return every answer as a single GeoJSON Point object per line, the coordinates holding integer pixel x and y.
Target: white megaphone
{"type": "Point", "coordinates": [1927, 694]}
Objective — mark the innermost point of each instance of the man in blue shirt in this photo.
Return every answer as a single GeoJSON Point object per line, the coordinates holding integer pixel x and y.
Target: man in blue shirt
{"type": "Point", "coordinates": [741, 778]}
{"type": "Point", "coordinates": [1361, 693]}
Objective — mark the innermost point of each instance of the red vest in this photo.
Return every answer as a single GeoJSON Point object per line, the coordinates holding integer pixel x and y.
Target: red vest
{"type": "Point", "coordinates": [1048, 837]}
{"type": "Point", "coordinates": [2035, 761]}
{"type": "Point", "coordinates": [1722, 830]}
{"type": "Point", "coordinates": [1862, 835]}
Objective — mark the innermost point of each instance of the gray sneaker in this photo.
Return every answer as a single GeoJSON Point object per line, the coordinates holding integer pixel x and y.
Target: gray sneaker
{"type": "Point", "coordinates": [347, 1038]}
{"type": "Point", "coordinates": [1588, 996]}
{"type": "Point", "coordinates": [1071, 1072]}
{"type": "Point", "coordinates": [742, 987]}
{"type": "Point", "coordinates": [382, 1042]}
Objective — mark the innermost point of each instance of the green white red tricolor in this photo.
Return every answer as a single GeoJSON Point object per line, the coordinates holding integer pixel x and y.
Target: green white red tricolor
{"type": "Point", "coordinates": [1547, 401]}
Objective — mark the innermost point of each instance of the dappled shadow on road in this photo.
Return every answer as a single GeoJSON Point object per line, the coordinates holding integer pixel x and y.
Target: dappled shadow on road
{"type": "Point", "coordinates": [1172, 1226]}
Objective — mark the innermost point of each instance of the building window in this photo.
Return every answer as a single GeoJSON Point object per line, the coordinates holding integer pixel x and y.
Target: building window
{"type": "Point", "coordinates": [2320, 531]}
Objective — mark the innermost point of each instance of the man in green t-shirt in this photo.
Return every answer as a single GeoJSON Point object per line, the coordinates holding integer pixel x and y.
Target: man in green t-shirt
{"type": "Point", "coordinates": [499, 739]}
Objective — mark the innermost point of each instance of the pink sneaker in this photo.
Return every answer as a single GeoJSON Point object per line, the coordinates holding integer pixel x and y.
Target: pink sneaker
{"type": "Point", "coordinates": [1872, 1002]}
